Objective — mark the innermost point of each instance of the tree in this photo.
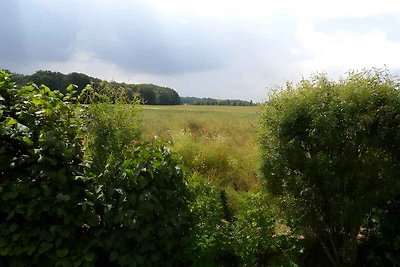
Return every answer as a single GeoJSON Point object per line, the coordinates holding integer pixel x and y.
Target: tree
{"type": "Point", "coordinates": [330, 153]}
{"type": "Point", "coordinates": [146, 92]}
{"type": "Point", "coordinates": [79, 79]}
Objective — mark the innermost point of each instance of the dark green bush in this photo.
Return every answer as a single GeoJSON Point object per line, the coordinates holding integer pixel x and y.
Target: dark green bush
{"type": "Point", "coordinates": [381, 246]}
{"type": "Point", "coordinates": [46, 215]}
{"type": "Point", "coordinates": [145, 217]}
{"type": "Point", "coordinates": [212, 236]}
{"type": "Point", "coordinates": [330, 154]}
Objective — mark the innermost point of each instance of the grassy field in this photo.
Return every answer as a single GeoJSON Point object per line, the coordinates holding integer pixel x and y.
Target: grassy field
{"type": "Point", "coordinates": [218, 142]}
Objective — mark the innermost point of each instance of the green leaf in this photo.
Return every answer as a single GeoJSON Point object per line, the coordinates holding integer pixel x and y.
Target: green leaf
{"type": "Point", "coordinates": [114, 256]}
{"type": "Point", "coordinates": [3, 242]}
{"type": "Point", "coordinates": [92, 219]}
{"type": "Point", "coordinates": [62, 252]}
{"type": "Point", "coordinates": [27, 140]}
{"type": "Point", "coordinates": [11, 121]}
{"type": "Point", "coordinates": [9, 195]}
{"type": "Point", "coordinates": [90, 256]}
{"type": "Point", "coordinates": [13, 227]}
{"type": "Point", "coordinates": [71, 87]}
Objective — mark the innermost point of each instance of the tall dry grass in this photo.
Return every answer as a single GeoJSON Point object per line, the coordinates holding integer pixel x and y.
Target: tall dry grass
{"type": "Point", "coordinates": [217, 142]}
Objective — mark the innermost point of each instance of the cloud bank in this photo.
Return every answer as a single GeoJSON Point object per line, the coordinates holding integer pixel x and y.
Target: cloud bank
{"type": "Point", "coordinates": [222, 49]}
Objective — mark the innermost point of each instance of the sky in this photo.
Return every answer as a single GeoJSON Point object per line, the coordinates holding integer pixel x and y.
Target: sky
{"type": "Point", "coordinates": [210, 48]}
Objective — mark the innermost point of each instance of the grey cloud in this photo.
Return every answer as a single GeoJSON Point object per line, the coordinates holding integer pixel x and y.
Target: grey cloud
{"type": "Point", "coordinates": [37, 31]}
{"type": "Point", "coordinates": [138, 39]}
{"type": "Point", "coordinates": [127, 34]}
{"type": "Point", "coordinates": [11, 45]}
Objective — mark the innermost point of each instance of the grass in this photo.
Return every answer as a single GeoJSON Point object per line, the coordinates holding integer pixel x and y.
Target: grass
{"type": "Point", "coordinates": [218, 142]}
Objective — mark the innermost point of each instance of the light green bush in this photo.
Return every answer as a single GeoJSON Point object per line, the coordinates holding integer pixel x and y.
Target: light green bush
{"type": "Point", "coordinates": [330, 154]}
{"type": "Point", "coordinates": [112, 125]}
{"type": "Point", "coordinates": [262, 238]}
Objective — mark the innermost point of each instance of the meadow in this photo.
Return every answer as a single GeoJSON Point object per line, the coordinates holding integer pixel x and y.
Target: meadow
{"type": "Point", "coordinates": [217, 142]}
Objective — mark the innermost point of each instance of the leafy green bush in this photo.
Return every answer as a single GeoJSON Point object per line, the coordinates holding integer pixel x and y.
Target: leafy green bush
{"type": "Point", "coordinates": [46, 214]}
{"type": "Point", "coordinates": [112, 125]}
{"type": "Point", "coordinates": [262, 239]}
{"type": "Point", "coordinates": [248, 236]}
{"type": "Point", "coordinates": [141, 187]}
{"type": "Point", "coordinates": [145, 213]}
{"type": "Point", "coordinates": [212, 234]}
{"type": "Point", "coordinates": [330, 153]}
{"type": "Point", "coordinates": [381, 246]}
{"type": "Point", "coordinates": [59, 211]}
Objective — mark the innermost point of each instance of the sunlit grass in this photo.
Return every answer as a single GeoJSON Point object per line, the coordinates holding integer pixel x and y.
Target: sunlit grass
{"type": "Point", "coordinates": [218, 142]}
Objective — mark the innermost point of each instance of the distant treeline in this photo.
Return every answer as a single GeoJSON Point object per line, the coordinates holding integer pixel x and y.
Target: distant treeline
{"type": "Point", "coordinates": [215, 102]}
{"type": "Point", "coordinates": [150, 94]}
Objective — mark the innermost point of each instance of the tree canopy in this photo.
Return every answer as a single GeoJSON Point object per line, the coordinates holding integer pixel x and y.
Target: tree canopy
{"type": "Point", "coordinates": [215, 102]}
{"type": "Point", "coordinates": [149, 93]}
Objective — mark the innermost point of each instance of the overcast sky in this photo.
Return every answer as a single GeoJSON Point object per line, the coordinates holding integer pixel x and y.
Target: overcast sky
{"type": "Point", "coordinates": [205, 48]}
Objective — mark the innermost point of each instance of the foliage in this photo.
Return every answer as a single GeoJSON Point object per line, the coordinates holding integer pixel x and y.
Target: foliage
{"type": "Point", "coordinates": [143, 197]}
{"type": "Point", "coordinates": [56, 80]}
{"type": "Point", "coordinates": [252, 235]}
{"type": "Point", "coordinates": [58, 211]}
{"type": "Point", "coordinates": [262, 238]}
{"type": "Point", "coordinates": [149, 93]}
{"type": "Point", "coordinates": [46, 213]}
{"type": "Point", "coordinates": [157, 95]}
{"type": "Point", "coordinates": [145, 215]}
{"type": "Point", "coordinates": [212, 235]}
{"type": "Point", "coordinates": [330, 153]}
{"type": "Point", "coordinates": [215, 102]}
{"type": "Point", "coordinates": [112, 125]}
{"type": "Point", "coordinates": [382, 244]}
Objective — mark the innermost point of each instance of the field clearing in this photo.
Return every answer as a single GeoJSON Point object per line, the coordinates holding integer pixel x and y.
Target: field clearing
{"type": "Point", "coordinates": [218, 142]}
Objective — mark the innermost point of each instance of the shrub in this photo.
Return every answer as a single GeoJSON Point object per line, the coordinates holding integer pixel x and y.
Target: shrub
{"type": "Point", "coordinates": [112, 125]}
{"type": "Point", "coordinates": [381, 246]}
{"type": "Point", "coordinates": [212, 234]}
{"type": "Point", "coordinates": [262, 238]}
{"type": "Point", "coordinates": [247, 236]}
{"type": "Point", "coordinates": [141, 187]}
{"type": "Point", "coordinates": [145, 214]}
{"type": "Point", "coordinates": [46, 214]}
{"type": "Point", "coordinates": [330, 153]}
{"type": "Point", "coordinates": [54, 212]}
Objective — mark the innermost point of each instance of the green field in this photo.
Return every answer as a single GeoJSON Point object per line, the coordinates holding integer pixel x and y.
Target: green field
{"type": "Point", "coordinates": [218, 142]}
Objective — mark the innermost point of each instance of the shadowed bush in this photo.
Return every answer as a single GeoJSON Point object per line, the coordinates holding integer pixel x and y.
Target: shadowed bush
{"type": "Point", "coordinates": [47, 217]}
